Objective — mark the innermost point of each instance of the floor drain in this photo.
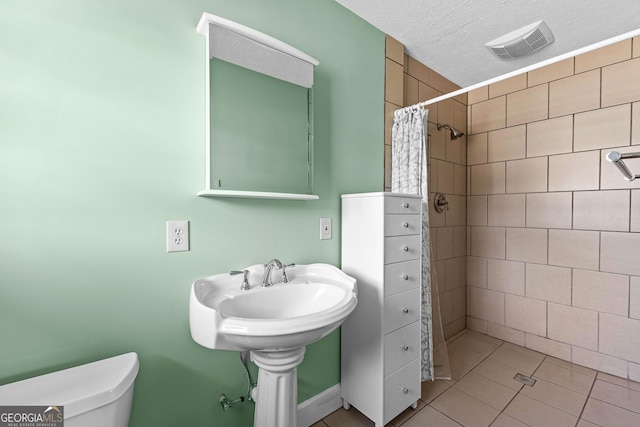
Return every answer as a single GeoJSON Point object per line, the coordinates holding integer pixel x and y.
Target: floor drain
{"type": "Point", "coordinates": [524, 379]}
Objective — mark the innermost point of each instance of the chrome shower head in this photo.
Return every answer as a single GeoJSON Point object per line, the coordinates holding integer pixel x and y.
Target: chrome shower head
{"type": "Point", "coordinates": [455, 133]}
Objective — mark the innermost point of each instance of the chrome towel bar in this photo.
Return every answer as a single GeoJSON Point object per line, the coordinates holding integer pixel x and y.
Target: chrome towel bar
{"type": "Point", "coordinates": [616, 158]}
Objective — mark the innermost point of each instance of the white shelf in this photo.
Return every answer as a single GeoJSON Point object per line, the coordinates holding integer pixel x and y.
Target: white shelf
{"type": "Point", "coordinates": [257, 195]}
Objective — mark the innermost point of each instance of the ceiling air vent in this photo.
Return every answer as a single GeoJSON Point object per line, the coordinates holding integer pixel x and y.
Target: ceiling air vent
{"type": "Point", "coordinates": [521, 42]}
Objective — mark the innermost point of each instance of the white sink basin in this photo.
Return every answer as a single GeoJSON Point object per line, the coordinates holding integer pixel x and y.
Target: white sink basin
{"type": "Point", "coordinates": [317, 299]}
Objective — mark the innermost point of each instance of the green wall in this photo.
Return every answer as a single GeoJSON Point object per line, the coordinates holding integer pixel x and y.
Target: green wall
{"type": "Point", "coordinates": [102, 140]}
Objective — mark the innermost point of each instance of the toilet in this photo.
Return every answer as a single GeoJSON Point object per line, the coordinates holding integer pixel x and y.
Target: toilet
{"type": "Point", "coordinates": [98, 394]}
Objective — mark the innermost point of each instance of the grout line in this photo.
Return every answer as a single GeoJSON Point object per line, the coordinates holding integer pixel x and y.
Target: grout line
{"type": "Point", "coordinates": [558, 385]}
{"type": "Point", "coordinates": [548, 236]}
{"type": "Point", "coordinates": [517, 393]}
{"type": "Point", "coordinates": [588, 396]}
{"type": "Point", "coordinates": [546, 324]}
{"type": "Point", "coordinates": [612, 404]}
{"type": "Point", "coordinates": [570, 346]}
{"type": "Point", "coordinates": [442, 413]}
{"type": "Point", "coordinates": [573, 132]}
{"type": "Point", "coordinates": [554, 407]}
{"type": "Point", "coordinates": [548, 173]}
{"type": "Point", "coordinates": [599, 252]}
{"type": "Point", "coordinates": [605, 380]}
{"type": "Point", "coordinates": [571, 271]}
{"type": "Point", "coordinates": [598, 335]}
{"type": "Point", "coordinates": [572, 208]}
{"type": "Point", "coordinates": [630, 210]}
{"type": "Point", "coordinates": [600, 83]}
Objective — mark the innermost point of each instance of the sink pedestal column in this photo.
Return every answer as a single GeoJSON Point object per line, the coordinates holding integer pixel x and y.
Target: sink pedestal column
{"type": "Point", "coordinates": [277, 393]}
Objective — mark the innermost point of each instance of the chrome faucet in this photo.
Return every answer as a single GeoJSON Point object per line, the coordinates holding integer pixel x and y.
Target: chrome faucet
{"type": "Point", "coordinates": [284, 278]}
{"type": "Point", "coordinates": [245, 280]}
{"type": "Point", "coordinates": [268, 268]}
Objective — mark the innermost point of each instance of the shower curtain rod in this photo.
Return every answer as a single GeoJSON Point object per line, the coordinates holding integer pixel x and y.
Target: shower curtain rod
{"type": "Point", "coordinates": [420, 105]}
{"type": "Point", "coordinates": [532, 67]}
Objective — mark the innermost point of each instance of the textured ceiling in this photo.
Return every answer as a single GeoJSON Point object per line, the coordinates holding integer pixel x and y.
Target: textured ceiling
{"type": "Point", "coordinates": [449, 35]}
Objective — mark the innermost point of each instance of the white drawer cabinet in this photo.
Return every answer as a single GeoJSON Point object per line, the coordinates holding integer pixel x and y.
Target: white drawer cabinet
{"type": "Point", "coordinates": [401, 276]}
{"type": "Point", "coordinates": [401, 389]}
{"type": "Point", "coordinates": [397, 225]}
{"type": "Point", "coordinates": [381, 248]}
{"type": "Point", "coordinates": [400, 347]}
{"type": "Point", "coordinates": [401, 309]}
{"type": "Point", "coordinates": [401, 248]}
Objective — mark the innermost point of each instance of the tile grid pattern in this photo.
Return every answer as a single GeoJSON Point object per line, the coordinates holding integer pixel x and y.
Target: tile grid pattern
{"type": "Point", "coordinates": [484, 393]}
{"type": "Point", "coordinates": [407, 83]}
{"type": "Point", "coordinates": [553, 227]}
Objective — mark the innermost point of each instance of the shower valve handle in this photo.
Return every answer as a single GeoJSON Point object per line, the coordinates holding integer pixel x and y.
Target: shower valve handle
{"type": "Point", "coordinates": [440, 203]}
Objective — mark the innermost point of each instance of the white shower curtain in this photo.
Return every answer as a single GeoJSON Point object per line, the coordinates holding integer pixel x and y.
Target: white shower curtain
{"type": "Point", "coordinates": [409, 176]}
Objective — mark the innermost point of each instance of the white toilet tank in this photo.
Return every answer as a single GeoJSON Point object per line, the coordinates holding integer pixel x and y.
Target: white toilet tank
{"type": "Point", "coordinates": [97, 394]}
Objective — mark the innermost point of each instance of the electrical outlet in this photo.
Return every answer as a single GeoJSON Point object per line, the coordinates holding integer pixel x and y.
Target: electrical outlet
{"type": "Point", "coordinates": [325, 228]}
{"type": "Point", "coordinates": [177, 236]}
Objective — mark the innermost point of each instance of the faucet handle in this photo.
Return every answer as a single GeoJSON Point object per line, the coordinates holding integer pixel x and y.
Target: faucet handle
{"type": "Point", "coordinates": [245, 280]}
{"type": "Point", "coordinates": [284, 278]}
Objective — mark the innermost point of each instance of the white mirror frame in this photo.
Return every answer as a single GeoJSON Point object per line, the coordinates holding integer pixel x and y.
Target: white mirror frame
{"type": "Point", "coordinates": [251, 49]}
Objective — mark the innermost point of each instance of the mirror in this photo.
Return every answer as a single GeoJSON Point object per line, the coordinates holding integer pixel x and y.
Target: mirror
{"type": "Point", "coordinates": [259, 133]}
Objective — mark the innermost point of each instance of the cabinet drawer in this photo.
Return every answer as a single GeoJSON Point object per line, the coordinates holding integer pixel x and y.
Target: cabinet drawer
{"type": "Point", "coordinates": [401, 277]}
{"type": "Point", "coordinates": [401, 390]}
{"type": "Point", "coordinates": [401, 347]}
{"type": "Point", "coordinates": [401, 248]}
{"type": "Point", "coordinates": [399, 225]}
{"type": "Point", "coordinates": [401, 309]}
{"type": "Point", "coordinates": [404, 205]}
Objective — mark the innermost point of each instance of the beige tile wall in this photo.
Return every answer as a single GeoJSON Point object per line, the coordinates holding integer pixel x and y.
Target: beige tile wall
{"type": "Point", "coordinates": [409, 82]}
{"type": "Point", "coordinates": [554, 229]}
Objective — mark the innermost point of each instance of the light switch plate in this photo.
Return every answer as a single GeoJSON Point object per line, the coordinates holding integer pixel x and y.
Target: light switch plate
{"type": "Point", "coordinates": [325, 228]}
{"type": "Point", "coordinates": [177, 236]}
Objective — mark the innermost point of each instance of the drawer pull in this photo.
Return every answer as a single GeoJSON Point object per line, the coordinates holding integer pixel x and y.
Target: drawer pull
{"type": "Point", "coordinates": [405, 248]}
{"type": "Point", "coordinates": [405, 205]}
{"type": "Point", "coordinates": [405, 390]}
{"type": "Point", "coordinates": [405, 310]}
{"type": "Point", "coordinates": [405, 224]}
{"type": "Point", "coordinates": [405, 347]}
{"type": "Point", "coordinates": [405, 277]}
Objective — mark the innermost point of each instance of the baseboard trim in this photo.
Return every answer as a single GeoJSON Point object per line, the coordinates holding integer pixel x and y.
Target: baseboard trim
{"type": "Point", "coordinates": [319, 406]}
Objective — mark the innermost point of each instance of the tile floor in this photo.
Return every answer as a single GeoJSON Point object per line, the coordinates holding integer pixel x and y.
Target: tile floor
{"type": "Point", "coordinates": [484, 393]}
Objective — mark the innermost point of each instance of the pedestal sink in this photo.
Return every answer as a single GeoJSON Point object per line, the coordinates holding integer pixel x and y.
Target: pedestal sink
{"type": "Point", "coordinates": [274, 323]}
